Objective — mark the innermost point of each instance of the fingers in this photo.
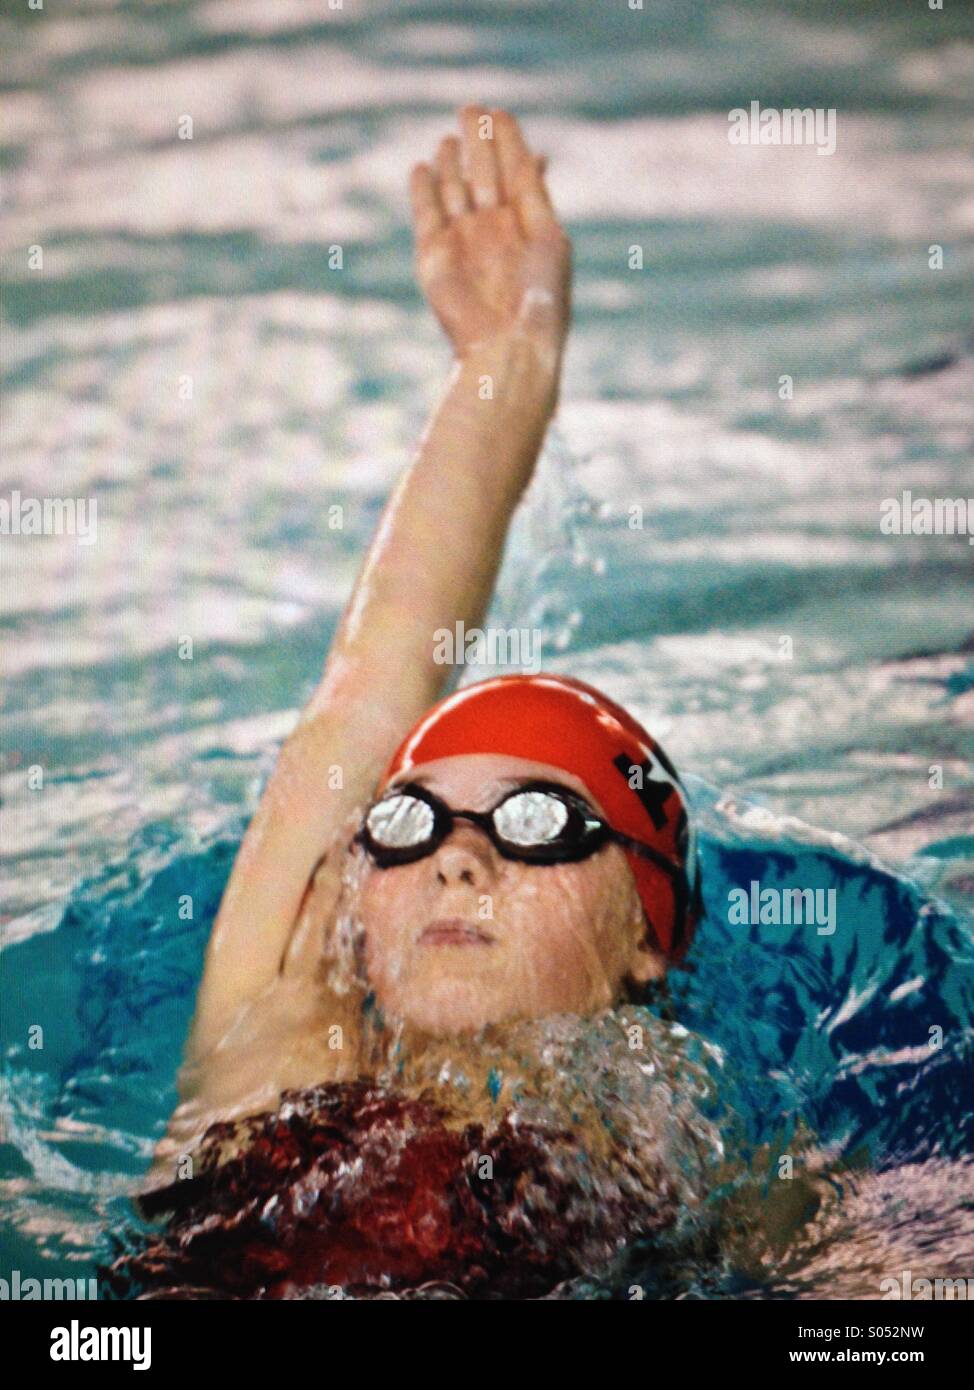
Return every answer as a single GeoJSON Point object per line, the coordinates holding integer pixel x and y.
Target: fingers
{"type": "Point", "coordinates": [533, 204]}
{"type": "Point", "coordinates": [512, 151]}
{"type": "Point", "coordinates": [453, 190]}
{"type": "Point", "coordinates": [492, 167]}
{"type": "Point", "coordinates": [479, 156]}
{"type": "Point", "coordinates": [428, 214]}
{"type": "Point", "coordinates": [522, 177]}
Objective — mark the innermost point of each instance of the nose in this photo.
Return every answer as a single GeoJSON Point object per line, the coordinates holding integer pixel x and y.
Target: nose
{"type": "Point", "coordinates": [466, 856]}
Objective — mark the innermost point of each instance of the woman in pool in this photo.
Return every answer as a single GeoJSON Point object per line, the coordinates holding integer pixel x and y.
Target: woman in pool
{"type": "Point", "coordinates": [524, 851]}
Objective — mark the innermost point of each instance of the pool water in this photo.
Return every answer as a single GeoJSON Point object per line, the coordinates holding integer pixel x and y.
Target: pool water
{"type": "Point", "coordinates": [187, 356]}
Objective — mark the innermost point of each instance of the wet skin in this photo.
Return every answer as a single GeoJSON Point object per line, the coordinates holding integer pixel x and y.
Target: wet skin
{"type": "Point", "coordinates": [465, 937]}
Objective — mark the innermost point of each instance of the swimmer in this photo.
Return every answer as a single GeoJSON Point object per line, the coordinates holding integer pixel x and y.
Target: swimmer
{"type": "Point", "coordinates": [472, 888]}
{"type": "Point", "coordinates": [521, 847]}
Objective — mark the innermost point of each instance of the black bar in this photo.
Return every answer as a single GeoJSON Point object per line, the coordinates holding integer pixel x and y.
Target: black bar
{"type": "Point", "coordinates": [727, 1336]}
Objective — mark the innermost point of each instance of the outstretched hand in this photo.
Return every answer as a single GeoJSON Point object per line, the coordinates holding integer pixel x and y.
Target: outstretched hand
{"type": "Point", "coordinates": [491, 255]}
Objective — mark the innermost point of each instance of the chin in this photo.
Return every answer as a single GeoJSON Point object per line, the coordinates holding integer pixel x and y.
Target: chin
{"type": "Point", "coordinates": [450, 1007]}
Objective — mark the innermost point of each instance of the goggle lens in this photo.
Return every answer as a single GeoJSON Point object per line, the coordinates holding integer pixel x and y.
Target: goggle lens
{"type": "Point", "coordinates": [530, 818]}
{"type": "Point", "coordinates": [401, 822]}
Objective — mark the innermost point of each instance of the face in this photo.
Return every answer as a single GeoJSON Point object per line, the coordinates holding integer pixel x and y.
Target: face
{"type": "Point", "coordinates": [466, 937]}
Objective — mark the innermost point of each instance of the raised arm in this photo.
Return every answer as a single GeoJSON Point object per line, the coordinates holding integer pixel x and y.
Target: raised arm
{"type": "Point", "coordinates": [495, 266]}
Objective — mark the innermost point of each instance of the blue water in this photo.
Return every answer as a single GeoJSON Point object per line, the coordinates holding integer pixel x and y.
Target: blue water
{"type": "Point", "coordinates": [207, 261]}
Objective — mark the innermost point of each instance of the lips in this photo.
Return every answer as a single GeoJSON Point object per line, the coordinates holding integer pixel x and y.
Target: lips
{"type": "Point", "coordinates": [454, 931]}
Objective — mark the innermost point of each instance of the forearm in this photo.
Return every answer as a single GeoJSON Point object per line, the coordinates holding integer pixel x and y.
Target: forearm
{"type": "Point", "coordinates": [435, 556]}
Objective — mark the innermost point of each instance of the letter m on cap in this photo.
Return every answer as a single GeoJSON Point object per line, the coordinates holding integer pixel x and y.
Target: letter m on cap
{"type": "Point", "coordinates": [653, 786]}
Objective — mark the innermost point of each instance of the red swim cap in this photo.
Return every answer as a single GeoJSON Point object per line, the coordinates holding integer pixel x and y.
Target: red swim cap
{"type": "Point", "coordinates": [570, 725]}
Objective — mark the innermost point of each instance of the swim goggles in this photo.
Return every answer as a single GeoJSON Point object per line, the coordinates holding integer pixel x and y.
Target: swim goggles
{"type": "Point", "coordinates": [537, 823]}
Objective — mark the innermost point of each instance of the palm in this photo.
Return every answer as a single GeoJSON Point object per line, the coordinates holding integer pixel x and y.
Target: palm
{"type": "Point", "coordinates": [490, 253]}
